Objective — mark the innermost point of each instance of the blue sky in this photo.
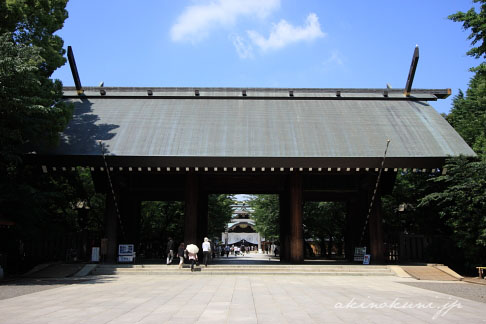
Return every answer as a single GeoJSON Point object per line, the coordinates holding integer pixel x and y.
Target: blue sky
{"type": "Point", "coordinates": [267, 43]}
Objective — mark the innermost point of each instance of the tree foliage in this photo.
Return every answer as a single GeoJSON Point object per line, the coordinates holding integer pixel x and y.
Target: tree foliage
{"type": "Point", "coordinates": [219, 214]}
{"type": "Point", "coordinates": [461, 201]}
{"type": "Point", "coordinates": [33, 23]}
{"type": "Point", "coordinates": [161, 220]}
{"type": "Point", "coordinates": [413, 218]}
{"type": "Point", "coordinates": [476, 22]}
{"type": "Point", "coordinates": [325, 221]}
{"type": "Point", "coordinates": [322, 220]}
{"type": "Point", "coordinates": [31, 110]}
{"type": "Point", "coordinates": [468, 114]}
{"type": "Point", "coordinates": [453, 203]}
{"type": "Point", "coordinates": [32, 114]}
{"type": "Point", "coordinates": [266, 215]}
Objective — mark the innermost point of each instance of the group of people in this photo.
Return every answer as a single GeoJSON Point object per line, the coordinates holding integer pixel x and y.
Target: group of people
{"type": "Point", "coordinates": [191, 255]}
{"type": "Point", "coordinates": [209, 251]}
{"type": "Point", "coordinates": [235, 250]}
{"type": "Point", "coordinates": [272, 249]}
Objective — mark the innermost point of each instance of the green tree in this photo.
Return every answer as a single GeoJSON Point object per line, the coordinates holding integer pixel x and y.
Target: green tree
{"type": "Point", "coordinates": [475, 21]}
{"type": "Point", "coordinates": [266, 212]}
{"type": "Point", "coordinates": [409, 189]}
{"type": "Point", "coordinates": [324, 221]}
{"type": "Point", "coordinates": [456, 200]}
{"type": "Point", "coordinates": [32, 114]}
{"type": "Point", "coordinates": [31, 110]}
{"type": "Point", "coordinates": [219, 214]}
{"type": "Point", "coordinates": [33, 23]}
{"type": "Point", "coordinates": [468, 114]}
{"type": "Point", "coordinates": [161, 220]}
{"type": "Point", "coordinates": [462, 206]}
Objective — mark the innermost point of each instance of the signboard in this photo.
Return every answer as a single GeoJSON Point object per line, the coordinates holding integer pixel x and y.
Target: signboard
{"type": "Point", "coordinates": [95, 254]}
{"type": "Point", "coordinates": [366, 259]}
{"type": "Point", "coordinates": [126, 253]}
{"type": "Point", "coordinates": [125, 258]}
{"type": "Point", "coordinates": [126, 249]}
{"type": "Point", "coordinates": [359, 253]}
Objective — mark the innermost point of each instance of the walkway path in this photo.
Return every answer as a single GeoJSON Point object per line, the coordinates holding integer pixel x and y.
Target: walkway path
{"type": "Point", "coordinates": [196, 298]}
{"type": "Point", "coordinates": [240, 299]}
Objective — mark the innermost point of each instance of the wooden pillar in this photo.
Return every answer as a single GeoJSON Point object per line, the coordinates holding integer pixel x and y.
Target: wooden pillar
{"type": "Point", "coordinates": [137, 216]}
{"type": "Point", "coordinates": [190, 217]}
{"type": "Point", "coordinates": [347, 232]}
{"type": "Point", "coordinates": [111, 228]}
{"type": "Point", "coordinates": [202, 220]}
{"type": "Point", "coordinates": [284, 218]}
{"type": "Point", "coordinates": [296, 225]}
{"type": "Point", "coordinates": [375, 226]}
{"type": "Point", "coordinates": [352, 228]}
{"type": "Point", "coordinates": [130, 209]}
{"type": "Point", "coordinates": [134, 218]}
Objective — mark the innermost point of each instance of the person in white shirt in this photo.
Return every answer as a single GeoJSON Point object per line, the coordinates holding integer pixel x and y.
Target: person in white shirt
{"type": "Point", "coordinates": [206, 246]}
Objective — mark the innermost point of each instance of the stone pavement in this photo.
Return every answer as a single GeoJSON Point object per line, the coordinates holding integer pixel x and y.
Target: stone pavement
{"type": "Point", "coordinates": [240, 299]}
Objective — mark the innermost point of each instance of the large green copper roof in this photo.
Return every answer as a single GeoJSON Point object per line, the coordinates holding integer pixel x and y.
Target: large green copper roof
{"type": "Point", "coordinates": [320, 126]}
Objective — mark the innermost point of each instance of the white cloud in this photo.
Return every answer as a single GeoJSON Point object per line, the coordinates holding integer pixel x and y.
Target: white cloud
{"type": "Point", "coordinates": [243, 48]}
{"type": "Point", "coordinates": [334, 59]}
{"type": "Point", "coordinates": [196, 22]}
{"type": "Point", "coordinates": [283, 34]}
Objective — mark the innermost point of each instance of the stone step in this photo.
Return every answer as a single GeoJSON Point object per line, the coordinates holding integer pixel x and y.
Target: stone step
{"type": "Point", "coordinates": [204, 272]}
{"type": "Point", "coordinates": [246, 269]}
{"type": "Point", "coordinates": [231, 266]}
{"type": "Point", "coordinates": [243, 270]}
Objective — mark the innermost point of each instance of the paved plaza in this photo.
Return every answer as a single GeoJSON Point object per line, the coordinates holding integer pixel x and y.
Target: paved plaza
{"type": "Point", "coordinates": [279, 299]}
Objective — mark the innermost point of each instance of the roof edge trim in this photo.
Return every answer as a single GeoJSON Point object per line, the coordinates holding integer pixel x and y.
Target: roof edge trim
{"type": "Point", "coordinates": [258, 93]}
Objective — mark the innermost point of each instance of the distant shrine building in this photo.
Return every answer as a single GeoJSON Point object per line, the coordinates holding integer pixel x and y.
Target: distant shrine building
{"type": "Point", "coordinates": [241, 230]}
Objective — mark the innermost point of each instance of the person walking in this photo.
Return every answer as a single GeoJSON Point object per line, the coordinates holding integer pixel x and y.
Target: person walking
{"type": "Point", "coordinates": [192, 250]}
{"type": "Point", "coordinates": [180, 254]}
{"type": "Point", "coordinates": [206, 246]}
{"type": "Point", "coordinates": [170, 250]}
{"type": "Point", "coordinates": [227, 250]}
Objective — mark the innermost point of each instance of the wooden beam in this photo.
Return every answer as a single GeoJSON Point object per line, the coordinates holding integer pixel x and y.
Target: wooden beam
{"type": "Point", "coordinates": [411, 73]}
{"type": "Point", "coordinates": [74, 71]}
